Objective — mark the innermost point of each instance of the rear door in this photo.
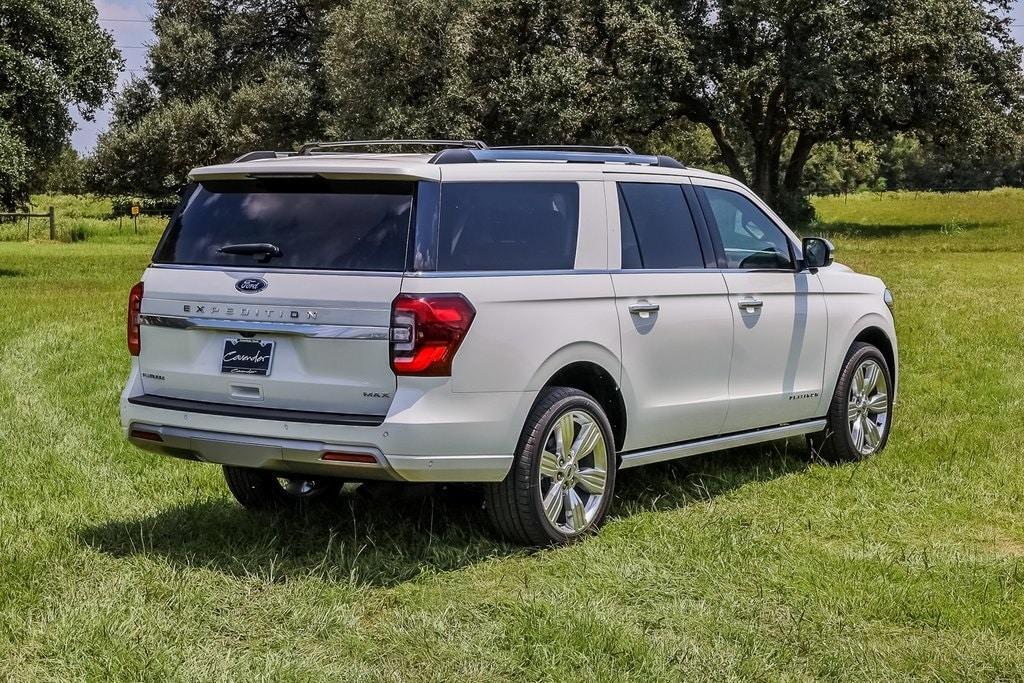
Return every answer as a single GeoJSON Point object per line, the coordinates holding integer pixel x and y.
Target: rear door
{"type": "Point", "coordinates": [674, 316]}
{"type": "Point", "coordinates": [277, 293]}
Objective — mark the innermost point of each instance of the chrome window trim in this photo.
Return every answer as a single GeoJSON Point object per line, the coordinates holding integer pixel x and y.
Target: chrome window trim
{"type": "Point", "coordinates": [312, 331]}
{"type": "Point", "coordinates": [480, 273]}
{"type": "Point", "coordinates": [504, 273]}
{"type": "Point", "coordinates": [268, 271]}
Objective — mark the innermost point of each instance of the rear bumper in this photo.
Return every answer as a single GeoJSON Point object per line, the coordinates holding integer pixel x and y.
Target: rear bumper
{"type": "Point", "coordinates": [430, 434]}
{"type": "Point", "coordinates": [306, 457]}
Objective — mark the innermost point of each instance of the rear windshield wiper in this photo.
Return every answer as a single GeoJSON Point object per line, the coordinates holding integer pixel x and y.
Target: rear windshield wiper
{"type": "Point", "coordinates": [262, 251]}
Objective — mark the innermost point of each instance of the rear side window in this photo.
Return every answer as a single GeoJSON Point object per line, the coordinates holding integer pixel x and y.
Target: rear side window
{"type": "Point", "coordinates": [313, 223]}
{"type": "Point", "coordinates": [657, 228]}
{"type": "Point", "coordinates": [508, 226]}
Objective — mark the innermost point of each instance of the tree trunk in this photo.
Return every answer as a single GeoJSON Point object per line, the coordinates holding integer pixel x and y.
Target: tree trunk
{"type": "Point", "coordinates": [765, 180]}
{"type": "Point", "coordinates": [728, 152]}
{"type": "Point", "coordinates": [798, 161]}
{"type": "Point", "coordinates": [759, 181]}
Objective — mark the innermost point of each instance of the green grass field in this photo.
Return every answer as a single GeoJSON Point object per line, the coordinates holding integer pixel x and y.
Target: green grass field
{"type": "Point", "coordinates": [116, 564]}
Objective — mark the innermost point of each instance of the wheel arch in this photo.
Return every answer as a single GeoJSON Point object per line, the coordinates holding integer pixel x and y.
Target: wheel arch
{"type": "Point", "coordinates": [877, 337]}
{"type": "Point", "coordinates": [872, 329]}
{"type": "Point", "coordinates": [596, 380]}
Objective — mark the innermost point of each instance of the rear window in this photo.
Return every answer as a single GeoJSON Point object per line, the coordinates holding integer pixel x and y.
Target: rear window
{"type": "Point", "coordinates": [508, 226]}
{"type": "Point", "coordinates": [313, 223]}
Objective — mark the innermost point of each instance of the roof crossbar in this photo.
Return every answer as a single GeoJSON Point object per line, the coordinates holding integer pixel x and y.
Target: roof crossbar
{"type": "Point", "coordinates": [311, 147]}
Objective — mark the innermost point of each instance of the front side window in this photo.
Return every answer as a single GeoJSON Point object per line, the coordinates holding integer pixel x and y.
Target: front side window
{"type": "Point", "coordinates": [657, 229]}
{"type": "Point", "coordinates": [312, 223]}
{"type": "Point", "coordinates": [508, 226]}
{"type": "Point", "coordinates": [749, 237]}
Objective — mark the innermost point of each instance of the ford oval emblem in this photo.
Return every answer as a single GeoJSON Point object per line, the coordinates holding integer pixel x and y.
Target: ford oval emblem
{"type": "Point", "coordinates": [251, 285]}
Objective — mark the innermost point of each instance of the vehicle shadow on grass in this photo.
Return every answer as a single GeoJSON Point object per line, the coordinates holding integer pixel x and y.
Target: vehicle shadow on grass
{"type": "Point", "coordinates": [384, 534]}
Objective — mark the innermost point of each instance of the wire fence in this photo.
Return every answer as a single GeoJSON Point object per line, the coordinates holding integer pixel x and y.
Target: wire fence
{"type": "Point", "coordinates": [50, 215]}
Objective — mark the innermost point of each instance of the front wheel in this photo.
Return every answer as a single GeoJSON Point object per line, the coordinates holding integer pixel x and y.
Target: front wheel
{"type": "Point", "coordinates": [262, 490]}
{"type": "Point", "coordinates": [860, 414]}
{"type": "Point", "coordinates": [562, 481]}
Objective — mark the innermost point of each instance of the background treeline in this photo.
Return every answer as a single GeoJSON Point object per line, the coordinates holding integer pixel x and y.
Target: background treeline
{"type": "Point", "coordinates": [790, 96]}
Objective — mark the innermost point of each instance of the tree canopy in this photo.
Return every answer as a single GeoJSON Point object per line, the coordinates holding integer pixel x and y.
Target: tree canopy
{"type": "Point", "coordinates": [53, 55]}
{"type": "Point", "coordinates": [223, 77]}
{"type": "Point", "coordinates": [765, 82]}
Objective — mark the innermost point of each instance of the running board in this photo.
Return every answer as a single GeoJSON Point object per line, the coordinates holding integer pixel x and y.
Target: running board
{"type": "Point", "coordinates": [719, 443]}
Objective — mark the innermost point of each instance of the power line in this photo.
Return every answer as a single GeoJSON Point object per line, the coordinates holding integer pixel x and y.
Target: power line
{"type": "Point", "coordinates": [127, 21]}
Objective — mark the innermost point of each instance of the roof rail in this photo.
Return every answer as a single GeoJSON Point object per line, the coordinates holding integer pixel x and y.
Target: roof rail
{"type": "Point", "coordinates": [260, 154]}
{"type": "Point", "coordinates": [517, 154]}
{"type": "Point", "coordinates": [311, 147]}
{"type": "Point", "coordinates": [614, 149]}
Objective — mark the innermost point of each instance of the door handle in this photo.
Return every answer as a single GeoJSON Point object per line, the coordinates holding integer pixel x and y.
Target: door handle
{"type": "Point", "coordinates": [644, 308]}
{"type": "Point", "coordinates": [749, 304]}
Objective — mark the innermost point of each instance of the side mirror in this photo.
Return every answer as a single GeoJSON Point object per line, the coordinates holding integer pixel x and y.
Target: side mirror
{"type": "Point", "coordinates": [817, 252]}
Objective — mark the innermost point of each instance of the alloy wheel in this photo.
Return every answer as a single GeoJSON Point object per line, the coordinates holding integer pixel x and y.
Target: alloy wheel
{"type": "Point", "coordinates": [868, 407]}
{"type": "Point", "coordinates": [573, 472]}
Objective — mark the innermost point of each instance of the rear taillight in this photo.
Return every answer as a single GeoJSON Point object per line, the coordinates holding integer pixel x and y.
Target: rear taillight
{"type": "Point", "coordinates": [426, 330]}
{"type": "Point", "coordinates": [134, 309]}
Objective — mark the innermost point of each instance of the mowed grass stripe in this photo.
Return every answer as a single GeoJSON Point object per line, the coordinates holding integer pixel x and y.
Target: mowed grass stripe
{"type": "Point", "coordinates": [747, 564]}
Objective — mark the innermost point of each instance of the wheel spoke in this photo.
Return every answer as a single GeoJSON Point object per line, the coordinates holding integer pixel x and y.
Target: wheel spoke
{"type": "Point", "coordinates": [857, 432]}
{"type": "Point", "coordinates": [858, 381]}
{"type": "Point", "coordinates": [879, 403]}
{"type": "Point", "coordinates": [851, 407]}
{"type": "Point", "coordinates": [871, 373]}
{"type": "Point", "coordinates": [872, 437]}
{"type": "Point", "coordinates": [592, 480]}
{"type": "Point", "coordinates": [564, 435]}
{"type": "Point", "coordinates": [588, 437]}
{"type": "Point", "coordinates": [548, 464]}
{"type": "Point", "coordinates": [553, 503]}
{"type": "Point", "coordinates": [576, 512]}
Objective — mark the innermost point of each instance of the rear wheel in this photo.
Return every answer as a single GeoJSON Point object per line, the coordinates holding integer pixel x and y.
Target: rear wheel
{"type": "Point", "coordinates": [860, 414]}
{"type": "Point", "coordinates": [562, 481]}
{"type": "Point", "coordinates": [262, 490]}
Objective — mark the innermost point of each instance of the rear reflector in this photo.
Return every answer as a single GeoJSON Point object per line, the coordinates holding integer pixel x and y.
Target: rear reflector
{"type": "Point", "coordinates": [349, 457]}
{"type": "Point", "coordinates": [145, 436]}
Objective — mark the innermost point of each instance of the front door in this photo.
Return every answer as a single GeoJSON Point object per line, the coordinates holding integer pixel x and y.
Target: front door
{"type": "Point", "coordinates": [780, 320]}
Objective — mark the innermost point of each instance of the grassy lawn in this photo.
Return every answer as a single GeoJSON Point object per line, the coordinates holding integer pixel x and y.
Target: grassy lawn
{"type": "Point", "coordinates": [751, 563]}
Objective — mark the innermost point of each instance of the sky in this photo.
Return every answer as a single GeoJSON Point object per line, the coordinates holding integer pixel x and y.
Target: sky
{"type": "Point", "coordinates": [127, 21]}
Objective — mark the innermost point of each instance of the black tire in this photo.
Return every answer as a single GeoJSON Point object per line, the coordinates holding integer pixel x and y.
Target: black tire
{"type": "Point", "coordinates": [515, 506]}
{"type": "Point", "coordinates": [263, 490]}
{"type": "Point", "coordinates": [836, 443]}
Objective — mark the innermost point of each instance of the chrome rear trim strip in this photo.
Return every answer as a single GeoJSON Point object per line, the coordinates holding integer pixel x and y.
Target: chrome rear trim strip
{"type": "Point", "coordinates": [255, 412]}
{"type": "Point", "coordinates": [266, 327]}
{"type": "Point", "coordinates": [683, 450]}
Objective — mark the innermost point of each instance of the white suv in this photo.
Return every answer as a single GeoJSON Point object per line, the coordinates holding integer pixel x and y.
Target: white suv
{"type": "Point", "coordinates": [535, 318]}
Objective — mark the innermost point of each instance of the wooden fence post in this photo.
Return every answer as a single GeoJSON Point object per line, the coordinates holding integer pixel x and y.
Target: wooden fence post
{"type": "Point", "coordinates": [53, 224]}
